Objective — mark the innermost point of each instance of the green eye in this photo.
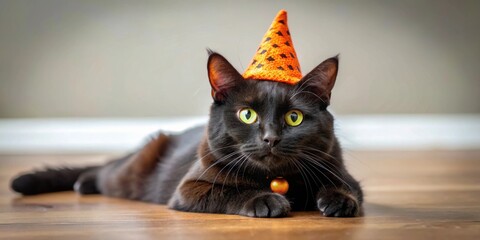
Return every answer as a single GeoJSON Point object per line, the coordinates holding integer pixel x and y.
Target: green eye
{"type": "Point", "coordinates": [247, 115]}
{"type": "Point", "coordinates": [294, 118]}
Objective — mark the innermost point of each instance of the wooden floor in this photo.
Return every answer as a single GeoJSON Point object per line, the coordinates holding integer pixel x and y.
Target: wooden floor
{"type": "Point", "coordinates": [409, 195]}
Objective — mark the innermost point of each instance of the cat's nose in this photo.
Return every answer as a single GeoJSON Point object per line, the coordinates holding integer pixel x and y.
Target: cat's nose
{"type": "Point", "coordinates": [271, 135]}
{"type": "Point", "coordinates": [271, 140]}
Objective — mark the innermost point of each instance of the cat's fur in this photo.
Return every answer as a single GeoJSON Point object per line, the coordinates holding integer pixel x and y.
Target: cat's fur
{"type": "Point", "coordinates": [227, 166]}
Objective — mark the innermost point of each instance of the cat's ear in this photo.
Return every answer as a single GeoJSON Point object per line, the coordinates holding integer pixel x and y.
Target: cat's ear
{"type": "Point", "coordinates": [321, 79]}
{"type": "Point", "coordinates": [222, 75]}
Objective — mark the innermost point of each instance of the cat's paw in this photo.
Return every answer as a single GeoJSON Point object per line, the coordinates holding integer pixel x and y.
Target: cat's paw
{"type": "Point", "coordinates": [266, 205]}
{"type": "Point", "coordinates": [338, 204]}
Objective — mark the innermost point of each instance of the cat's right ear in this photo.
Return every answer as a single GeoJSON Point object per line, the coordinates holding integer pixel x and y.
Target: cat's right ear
{"type": "Point", "coordinates": [222, 75]}
{"type": "Point", "coordinates": [320, 80]}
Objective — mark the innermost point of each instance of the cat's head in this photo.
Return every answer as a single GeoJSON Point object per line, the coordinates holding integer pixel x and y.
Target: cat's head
{"type": "Point", "coordinates": [266, 123]}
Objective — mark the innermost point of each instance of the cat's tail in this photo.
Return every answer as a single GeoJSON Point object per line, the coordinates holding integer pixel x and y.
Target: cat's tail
{"type": "Point", "coordinates": [49, 180]}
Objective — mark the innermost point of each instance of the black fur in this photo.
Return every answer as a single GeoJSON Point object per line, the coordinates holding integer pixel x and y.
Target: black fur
{"type": "Point", "coordinates": [227, 166]}
{"type": "Point", "coordinates": [49, 180]}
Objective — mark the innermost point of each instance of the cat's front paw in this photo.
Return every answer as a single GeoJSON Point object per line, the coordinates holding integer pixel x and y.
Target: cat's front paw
{"type": "Point", "coordinates": [266, 205]}
{"type": "Point", "coordinates": [338, 204]}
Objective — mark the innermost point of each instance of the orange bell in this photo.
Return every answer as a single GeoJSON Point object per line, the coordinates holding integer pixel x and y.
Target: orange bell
{"type": "Point", "coordinates": [279, 185]}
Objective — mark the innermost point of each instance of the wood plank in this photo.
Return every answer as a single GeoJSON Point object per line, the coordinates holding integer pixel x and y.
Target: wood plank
{"type": "Point", "coordinates": [409, 195]}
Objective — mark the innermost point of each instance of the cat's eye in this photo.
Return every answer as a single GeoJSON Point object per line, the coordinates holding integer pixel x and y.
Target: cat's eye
{"type": "Point", "coordinates": [294, 118]}
{"type": "Point", "coordinates": [247, 115]}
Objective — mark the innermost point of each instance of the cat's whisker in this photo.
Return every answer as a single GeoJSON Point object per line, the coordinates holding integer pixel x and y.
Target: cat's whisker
{"type": "Point", "coordinates": [238, 170]}
{"type": "Point", "coordinates": [312, 174]}
{"type": "Point", "coordinates": [210, 152]}
{"type": "Point", "coordinates": [292, 162]}
{"type": "Point", "coordinates": [306, 161]}
{"type": "Point", "coordinates": [311, 151]}
{"type": "Point", "coordinates": [217, 162]}
{"type": "Point", "coordinates": [316, 179]}
{"type": "Point", "coordinates": [245, 168]}
{"type": "Point", "coordinates": [219, 172]}
{"type": "Point", "coordinates": [231, 168]}
{"type": "Point", "coordinates": [235, 161]}
{"type": "Point", "coordinates": [317, 163]}
{"type": "Point", "coordinates": [307, 169]}
{"type": "Point", "coordinates": [331, 166]}
{"type": "Point", "coordinates": [319, 151]}
{"type": "Point", "coordinates": [326, 161]}
{"type": "Point", "coordinates": [308, 186]}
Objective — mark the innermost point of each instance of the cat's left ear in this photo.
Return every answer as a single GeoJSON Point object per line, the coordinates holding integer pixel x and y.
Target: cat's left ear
{"type": "Point", "coordinates": [223, 76]}
{"type": "Point", "coordinates": [321, 79]}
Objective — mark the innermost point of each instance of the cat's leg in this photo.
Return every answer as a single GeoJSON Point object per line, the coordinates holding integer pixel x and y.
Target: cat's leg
{"type": "Point", "coordinates": [204, 196]}
{"type": "Point", "coordinates": [341, 196]}
{"type": "Point", "coordinates": [127, 177]}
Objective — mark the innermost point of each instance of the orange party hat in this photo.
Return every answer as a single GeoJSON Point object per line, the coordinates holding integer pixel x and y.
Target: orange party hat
{"type": "Point", "coordinates": [275, 59]}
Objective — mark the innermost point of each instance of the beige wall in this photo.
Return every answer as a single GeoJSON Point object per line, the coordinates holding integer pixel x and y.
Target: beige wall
{"type": "Point", "coordinates": [147, 58]}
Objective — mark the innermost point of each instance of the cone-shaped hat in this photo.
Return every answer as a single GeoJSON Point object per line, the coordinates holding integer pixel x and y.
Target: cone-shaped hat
{"type": "Point", "coordinates": [275, 59]}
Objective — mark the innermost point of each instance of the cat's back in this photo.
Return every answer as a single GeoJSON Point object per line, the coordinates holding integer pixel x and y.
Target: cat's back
{"type": "Point", "coordinates": [181, 153]}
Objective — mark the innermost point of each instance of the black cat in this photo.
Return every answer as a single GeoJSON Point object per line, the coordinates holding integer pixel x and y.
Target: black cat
{"type": "Point", "coordinates": [257, 131]}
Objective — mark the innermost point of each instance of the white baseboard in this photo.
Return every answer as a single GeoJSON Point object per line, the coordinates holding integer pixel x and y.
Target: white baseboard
{"type": "Point", "coordinates": [369, 132]}
{"type": "Point", "coordinates": [409, 132]}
